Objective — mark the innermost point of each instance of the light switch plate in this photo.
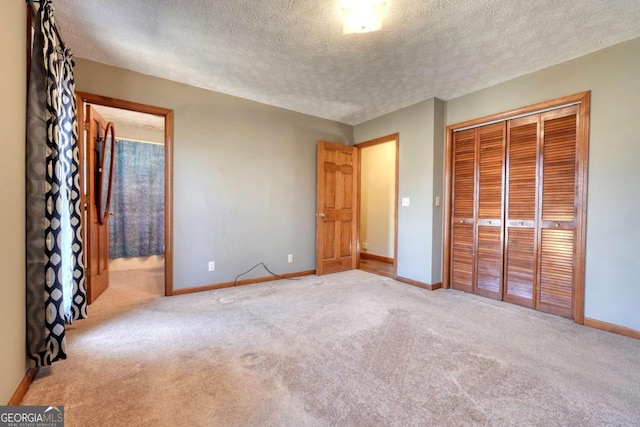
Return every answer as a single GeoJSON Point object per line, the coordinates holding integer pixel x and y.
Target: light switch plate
{"type": "Point", "coordinates": [437, 200]}
{"type": "Point", "coordinates": [406, 201]}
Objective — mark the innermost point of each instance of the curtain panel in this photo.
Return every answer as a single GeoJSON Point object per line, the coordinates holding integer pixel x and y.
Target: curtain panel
{"type": "Point", "coordinates": [137, 200]}
{"type": "Point", "coordinates": [56, 292]}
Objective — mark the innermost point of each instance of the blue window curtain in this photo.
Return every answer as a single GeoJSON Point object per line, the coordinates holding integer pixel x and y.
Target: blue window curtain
{"type": "Point", "coordinates": [137, 201]}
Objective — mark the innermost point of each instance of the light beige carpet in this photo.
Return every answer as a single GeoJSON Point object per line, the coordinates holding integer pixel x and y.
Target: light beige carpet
{"type": "Point", "coordinates": [348, 349]}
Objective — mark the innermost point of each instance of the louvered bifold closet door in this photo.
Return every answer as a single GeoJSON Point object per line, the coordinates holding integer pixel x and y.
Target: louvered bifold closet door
{"type": "Point", "coordinates": [520, 266]}
{"type": "Point", "coordinates": [463, 209]}
{"type": "Point", "coordinates": [558, 211]}
{"type": "Point", "coordinates": [489, 245]}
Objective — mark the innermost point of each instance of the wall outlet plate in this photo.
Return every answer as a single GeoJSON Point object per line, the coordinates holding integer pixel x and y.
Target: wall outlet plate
{"type": "Point", "coordinates": [406, 201]}
{"type": "Point", "coordinates": [212, 266]}
{"type": "Point", "coordinates": [290, 258]}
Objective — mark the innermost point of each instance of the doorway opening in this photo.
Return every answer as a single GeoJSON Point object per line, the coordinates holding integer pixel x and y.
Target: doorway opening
{"type": "Point", "coordinates": [378, 206]}
{"type": "Point", "coordinates": [131, 248]}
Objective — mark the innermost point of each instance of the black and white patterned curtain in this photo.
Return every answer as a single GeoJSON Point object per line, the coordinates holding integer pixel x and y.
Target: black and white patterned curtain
{"type": "Point", "coordinates": [56, 293]}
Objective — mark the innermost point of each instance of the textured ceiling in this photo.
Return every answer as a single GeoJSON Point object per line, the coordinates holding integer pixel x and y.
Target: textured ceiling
{"type": "Point", "coordinates": [292, 53]}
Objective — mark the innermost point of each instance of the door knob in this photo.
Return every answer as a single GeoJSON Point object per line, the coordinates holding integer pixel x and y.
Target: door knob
{"type": "Point", "coordinates": [321, 214]}
{"type": "Point", "coordinates": [111, 213]}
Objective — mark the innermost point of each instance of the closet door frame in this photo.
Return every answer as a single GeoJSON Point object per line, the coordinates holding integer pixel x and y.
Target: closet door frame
{"type": "Point", "coordinates": [583, 99]}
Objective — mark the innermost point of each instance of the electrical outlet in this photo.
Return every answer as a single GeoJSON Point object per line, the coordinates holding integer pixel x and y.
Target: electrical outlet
{"type": "Point", "coordinates": [290, 258]}
{"type": "Point", "coordinates": [212, 266]}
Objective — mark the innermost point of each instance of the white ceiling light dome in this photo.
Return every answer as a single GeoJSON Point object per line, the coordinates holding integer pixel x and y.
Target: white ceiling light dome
{"type": "Point", "coordinates": [362, 16]}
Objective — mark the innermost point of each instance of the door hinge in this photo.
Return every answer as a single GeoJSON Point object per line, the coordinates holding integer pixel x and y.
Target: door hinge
{"type": "Point", "coordinates": [87, 272]}
{"type": "Point", "coordinates": [86, 126]}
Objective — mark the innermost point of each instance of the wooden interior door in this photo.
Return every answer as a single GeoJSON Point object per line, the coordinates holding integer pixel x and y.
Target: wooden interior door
{"type": "Point", "coordinates": [463, 210]}
{"type": "Point", "coordinates": [96, 234]}
{"type": "Point", "coordinates": [336, 217]}
{"type": "Point", "coordinates": [490, 201]}
{"type": "Point", "coordinates": [521, 231]}
{"type": "Point", "coordinates": [558, 211]}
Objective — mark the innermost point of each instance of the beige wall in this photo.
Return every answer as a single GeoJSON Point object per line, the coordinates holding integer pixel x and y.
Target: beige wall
{"type": "Point", "coordinates": [12, 192]}
{"type": "Point", "coordinates": [378, 198]}
{"type": "Point", "coordinates": [133, 125]}
{"type": "Point", "coordinates": [137, 263]}
{"type": "Point", "coordinates": [244, 175]}
{"type": "Point", "coordinates": [124, 131]}
{"type": "Point", "coordinates": [612, 285]}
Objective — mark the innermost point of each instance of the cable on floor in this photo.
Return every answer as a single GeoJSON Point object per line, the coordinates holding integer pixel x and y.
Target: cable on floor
{"type": "Point", "coordinates": [235, 282]}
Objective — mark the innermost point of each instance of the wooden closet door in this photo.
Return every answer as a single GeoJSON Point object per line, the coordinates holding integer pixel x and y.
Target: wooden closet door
{"type": "Point", "coordinates": [516, 209]}
{"type": "Point", "coordinates": [489, 234]}
{"type": "Point", "coordinates": [520, 261]}
{"type": "Point", "coordinates": [463, 210]}
{"type": "Point", "coordinates": [558, 211]}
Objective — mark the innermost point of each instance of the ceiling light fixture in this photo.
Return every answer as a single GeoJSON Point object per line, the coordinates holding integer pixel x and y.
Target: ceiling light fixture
{"type": "Point", "coordinates": [362, 16]}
